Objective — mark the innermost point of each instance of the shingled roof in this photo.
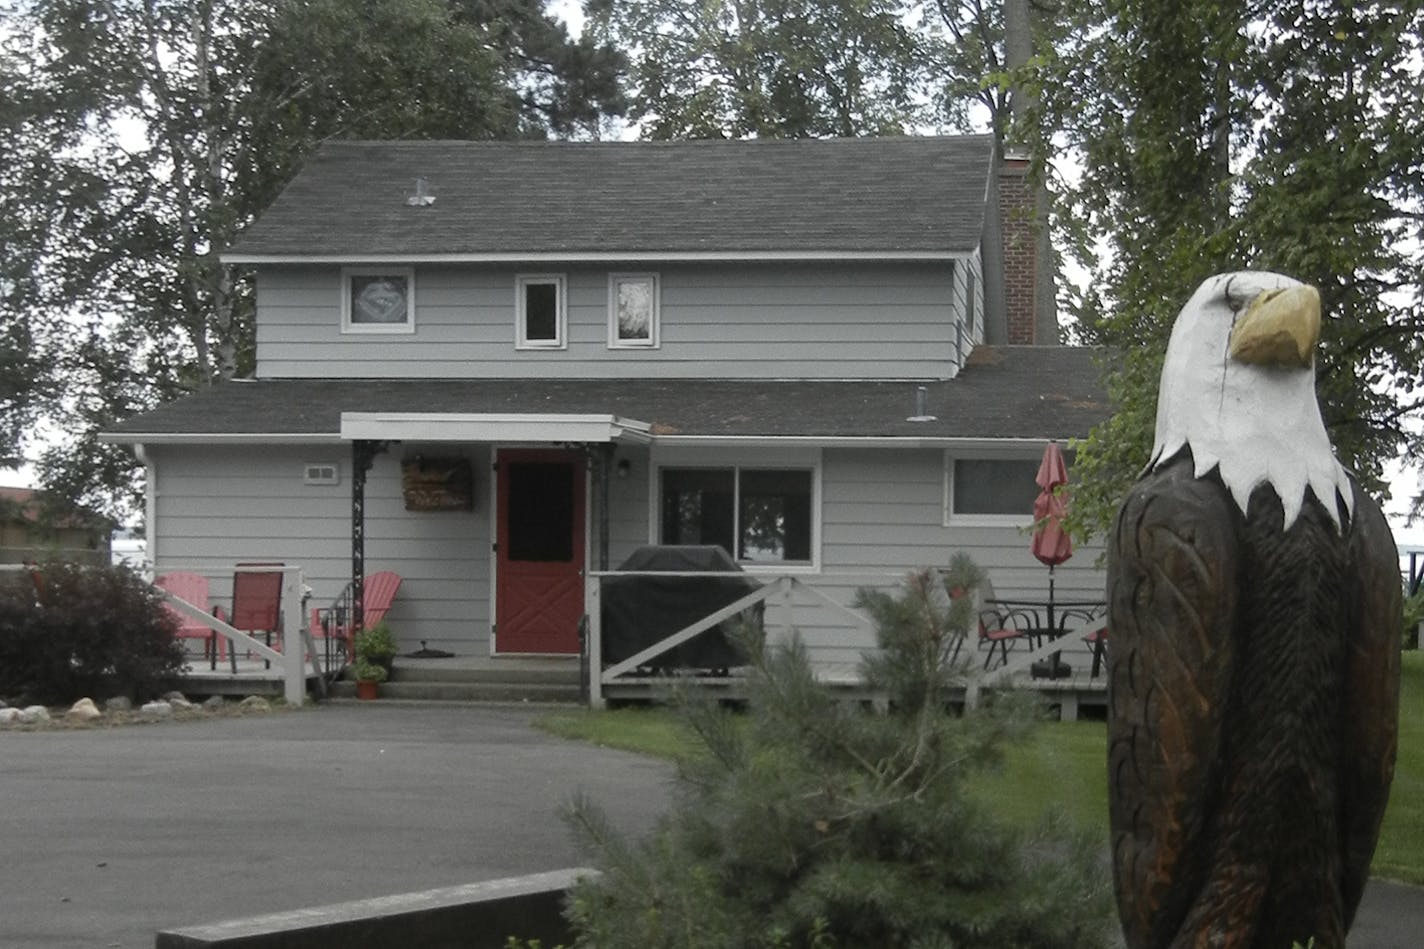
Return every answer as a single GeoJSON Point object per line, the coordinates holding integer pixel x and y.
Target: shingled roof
{"type": "Point", "coordinates": [1003, 392]}
{"type": "Point", "coordinates": [909, 196]}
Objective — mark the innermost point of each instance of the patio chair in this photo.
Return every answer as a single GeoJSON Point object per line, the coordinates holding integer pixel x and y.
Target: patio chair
{"type": "Point", "coordinates": [334, 623]}
{"type": "Point", "coordinates": [192, 588]}
{"type": "Point", "coordinates": [257, 603]}
{"type": "Point", "coordinates": [1001, 625]}
{"type": "Point", "coordinates": [1098, 640]}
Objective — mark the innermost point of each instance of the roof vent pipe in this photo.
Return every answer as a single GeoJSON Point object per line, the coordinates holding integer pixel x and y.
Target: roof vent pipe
{"type": "Point", "coordinates": [922, 406]}
{"type": "Point", "coordinates": [422, 198]}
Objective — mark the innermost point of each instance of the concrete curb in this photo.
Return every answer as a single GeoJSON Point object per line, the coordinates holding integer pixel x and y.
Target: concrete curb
{"type": "Point", "coordinates": [474, 916]}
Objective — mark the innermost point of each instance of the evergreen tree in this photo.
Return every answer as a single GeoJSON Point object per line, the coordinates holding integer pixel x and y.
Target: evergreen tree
{"type": "Point", "coordinates": [1218, 135]}
{"type": "Point", "coordinates": [812, 822]}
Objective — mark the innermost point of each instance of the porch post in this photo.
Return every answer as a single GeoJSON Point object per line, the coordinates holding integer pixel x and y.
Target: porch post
{"type": "Point", "coordinates": [363, 455]}
{"type": "Point", "coordinates": [603, 467]}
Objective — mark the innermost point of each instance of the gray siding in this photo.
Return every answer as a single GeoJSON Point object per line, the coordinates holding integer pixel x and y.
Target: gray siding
{"type": "Point", "coordinates": [821, 320]}
{"type": "Point", "coordinates": [881, 510]}
{"type": "Point", "coordinates": [882, 515]}
{"type": "Point", "coordinates": [215, 507]}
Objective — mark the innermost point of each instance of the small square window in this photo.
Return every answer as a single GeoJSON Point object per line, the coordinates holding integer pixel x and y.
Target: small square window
{"type": "Point", "coordinates": [633, 311]}
{"type": "Point", "coordinates": [539, 311]}
{"type": "Point", "coordinates": [378, 300]}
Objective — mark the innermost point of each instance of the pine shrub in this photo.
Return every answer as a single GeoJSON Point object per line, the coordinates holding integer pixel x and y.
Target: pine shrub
{"type": "Point", "coordinates": [68, 631]}
{"type": "Point", "coordinates": [812, 822]}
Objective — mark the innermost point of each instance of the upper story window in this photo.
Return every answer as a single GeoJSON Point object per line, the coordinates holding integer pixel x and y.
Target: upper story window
{"type": "Point", "coordinates": [540, 312]}
{"type": "Point", "coordinates": [989, 491]}
{"type": "Point", "coordinates": [378, 300]}
{"type": "Point", "coordinates": [633, 310]}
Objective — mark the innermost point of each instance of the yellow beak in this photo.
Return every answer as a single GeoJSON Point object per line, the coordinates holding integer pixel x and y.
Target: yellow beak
{"type": "Point", "coordinates": [1278, 328]}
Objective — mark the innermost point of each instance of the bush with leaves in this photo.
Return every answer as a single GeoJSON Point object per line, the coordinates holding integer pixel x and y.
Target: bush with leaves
{"type": "Point", "coordinates": [812, 822]}
{"type": "Point", "coordinates": [68, 631]}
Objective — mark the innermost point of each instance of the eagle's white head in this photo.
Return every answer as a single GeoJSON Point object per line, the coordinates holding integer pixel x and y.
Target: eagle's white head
{"type": "Point", "coordinates": [1238, 387]}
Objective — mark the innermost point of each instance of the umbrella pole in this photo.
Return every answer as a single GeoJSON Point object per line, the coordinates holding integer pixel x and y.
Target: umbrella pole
{"type": "Point", "coordinates": [1052, 625]}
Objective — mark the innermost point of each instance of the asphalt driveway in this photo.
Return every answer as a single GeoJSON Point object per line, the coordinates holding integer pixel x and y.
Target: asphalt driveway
{"type": "Point", "coordinates": [110, 835]}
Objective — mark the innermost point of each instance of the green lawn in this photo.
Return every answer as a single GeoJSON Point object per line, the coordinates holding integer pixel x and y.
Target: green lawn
{"type": "Point", "coordinates": [1063, 765]}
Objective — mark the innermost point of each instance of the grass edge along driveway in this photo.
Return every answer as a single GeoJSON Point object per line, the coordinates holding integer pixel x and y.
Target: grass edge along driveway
{"type": "Point", "coordinates": [1063, 765]}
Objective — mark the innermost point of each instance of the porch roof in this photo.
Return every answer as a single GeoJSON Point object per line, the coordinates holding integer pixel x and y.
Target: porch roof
{"type": "Point", "coordinates": [1011, 392]}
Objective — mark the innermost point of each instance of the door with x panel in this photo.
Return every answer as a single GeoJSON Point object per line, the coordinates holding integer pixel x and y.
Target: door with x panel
{"type": "Point", "coordinates": [539, 555]}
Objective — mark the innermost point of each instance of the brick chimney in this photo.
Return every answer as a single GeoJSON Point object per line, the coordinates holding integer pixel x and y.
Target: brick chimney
{"type": "Point", "coordinates": [1019, 243]}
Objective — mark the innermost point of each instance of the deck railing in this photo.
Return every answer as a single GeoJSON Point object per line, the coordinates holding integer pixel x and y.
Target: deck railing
{"type": "Point", "coordinates": [783, 590]}
{"type": "Point", "coordinates": [296, 639]}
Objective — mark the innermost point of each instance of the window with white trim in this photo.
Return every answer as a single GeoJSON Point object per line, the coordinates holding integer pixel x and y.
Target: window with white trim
{"type": "Point", "coordinates": [378, 300]}
{"type": "Point", "coordinates": [541, 317]}
{"type": "Point", "coordinates": [989, 490]}
{"type": "Point", "coordinates": [759, 515]}
{"type": "Point", "coordinates": [633, 311]}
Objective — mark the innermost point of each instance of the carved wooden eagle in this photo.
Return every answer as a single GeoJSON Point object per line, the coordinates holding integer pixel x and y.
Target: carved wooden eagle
{"type": "Point", "coordinates": [1255, 620]}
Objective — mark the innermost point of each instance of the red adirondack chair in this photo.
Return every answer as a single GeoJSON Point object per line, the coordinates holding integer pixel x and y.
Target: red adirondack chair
{"type": "Point", "coordinates": [334, 622]}
{"type": "Point", "coordinates": [192, 588]}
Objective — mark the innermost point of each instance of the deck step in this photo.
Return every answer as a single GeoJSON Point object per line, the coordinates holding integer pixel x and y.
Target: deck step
{"type": "Point", "coordinates": [540, 693]}
{"type": "Point", "coordinates": [521, 680]}
{"type": "Point", "coordinates": [533, 672]}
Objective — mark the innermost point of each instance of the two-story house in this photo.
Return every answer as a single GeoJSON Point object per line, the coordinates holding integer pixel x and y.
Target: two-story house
{"type": "Point", "coordinates": [492, 366]}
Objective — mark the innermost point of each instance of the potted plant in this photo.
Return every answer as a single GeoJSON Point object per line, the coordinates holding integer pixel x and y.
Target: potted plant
{"type": "Point", "coordinates": [369, 677]}
{"type": "Point", "coordinates": [377, 646]}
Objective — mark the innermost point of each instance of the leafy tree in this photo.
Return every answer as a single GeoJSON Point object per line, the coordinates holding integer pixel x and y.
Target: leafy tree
{"type": "Point", "coordinates": [812, 822]}
{"type": "Point", "coordinates": [143, 135]}
{"type": "Point", "coordinates": [1225, 135]}
{"type": "Point", "coordinates": [768, 68]}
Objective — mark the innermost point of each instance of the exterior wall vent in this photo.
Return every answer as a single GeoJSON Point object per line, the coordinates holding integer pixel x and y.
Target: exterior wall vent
{"type": "Point", "coordinates": [321, 474]}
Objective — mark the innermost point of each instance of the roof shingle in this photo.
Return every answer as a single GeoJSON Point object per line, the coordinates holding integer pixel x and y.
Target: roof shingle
{"type": "Point", "coordinates": [911, 195]}
{"type": "Point", "coordinates": [1004, 392]}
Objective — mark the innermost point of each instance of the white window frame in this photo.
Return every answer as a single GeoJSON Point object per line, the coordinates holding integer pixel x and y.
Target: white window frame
{"type": "Point", "coordinates": [954, 519]}
{"type": "Point", "coordinates": [655, 318]}
{"type": "Point", "coordinates": [561, 311]}
{"type": "Point", "coordinates": [407, 327]}
{"type": "Point", "coordinates": [798, 459]}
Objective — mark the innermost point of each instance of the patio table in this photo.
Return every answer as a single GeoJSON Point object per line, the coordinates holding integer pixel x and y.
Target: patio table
{"type": "Point", "coordinates": [1056, 612]}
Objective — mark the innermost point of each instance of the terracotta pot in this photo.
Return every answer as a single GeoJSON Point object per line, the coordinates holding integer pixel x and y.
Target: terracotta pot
{"type": "Point", "coordinates": [367, 690]}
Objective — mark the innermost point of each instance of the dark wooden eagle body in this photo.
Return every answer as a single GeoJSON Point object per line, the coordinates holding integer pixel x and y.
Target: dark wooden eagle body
{"type": "Point", "coordinates": [1253, 710]}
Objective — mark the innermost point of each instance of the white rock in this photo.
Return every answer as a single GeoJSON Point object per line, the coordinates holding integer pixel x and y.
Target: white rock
{"type": "Point", "coordinates": [10, 716]}
{"type": "Point", "coordinates": [34, 713]}
{"type": "Point", "coordinates": [159, 709]}
{"type": "Point", "coordinates": [83, 711]}
{"type": "Point", "coordinates": [119, 703]}
{"type": "Point", "coordinates": [255, 703]}
{"type": "Point", "coordinates": [173, 698]}
{"type": "Point", "coordinates": [214, 702]}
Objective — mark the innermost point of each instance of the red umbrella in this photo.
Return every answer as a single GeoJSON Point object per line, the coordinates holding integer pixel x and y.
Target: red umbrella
{"type": "Point", "coordinates": [1050, 544]}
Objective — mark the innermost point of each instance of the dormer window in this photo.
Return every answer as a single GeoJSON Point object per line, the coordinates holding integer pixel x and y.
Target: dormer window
{"type": "Point", "coordinates": [633, 311]}
{"type": "Point", "coordinates": [378, 300]}
{"type": "Point", "coordinates": [540, 312]}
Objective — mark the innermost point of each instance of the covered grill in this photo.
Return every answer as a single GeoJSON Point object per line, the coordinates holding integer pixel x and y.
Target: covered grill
{"type": "Point", "coordinates": [641, 611]}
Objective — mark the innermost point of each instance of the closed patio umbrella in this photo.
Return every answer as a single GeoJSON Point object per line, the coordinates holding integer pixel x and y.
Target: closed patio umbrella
{"type": "Point", "coordinates": [1051, 543]}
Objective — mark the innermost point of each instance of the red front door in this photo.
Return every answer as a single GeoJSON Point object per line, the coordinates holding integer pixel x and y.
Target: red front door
{"type": "Point", "coordinates": [539, 554]}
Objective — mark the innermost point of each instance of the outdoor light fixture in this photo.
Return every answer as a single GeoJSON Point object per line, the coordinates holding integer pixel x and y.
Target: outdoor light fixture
{"type": "Point", "coordinates": [624, 467]}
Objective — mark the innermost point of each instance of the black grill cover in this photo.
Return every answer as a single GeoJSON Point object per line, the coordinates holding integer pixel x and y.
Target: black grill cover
{"type": "Point", "coordinates": [640, 611]}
